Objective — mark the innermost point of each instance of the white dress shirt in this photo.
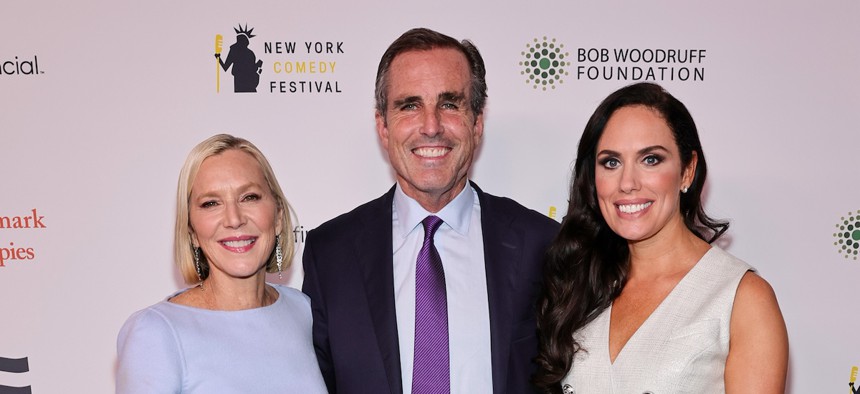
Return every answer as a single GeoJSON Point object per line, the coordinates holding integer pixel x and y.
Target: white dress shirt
{"type": "Point", "coordinates": [461, 247]}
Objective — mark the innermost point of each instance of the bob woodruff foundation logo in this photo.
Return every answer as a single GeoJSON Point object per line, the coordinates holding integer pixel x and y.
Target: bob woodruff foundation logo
{"type": "Point", "coordinates": [847, 235]}
{"type": "Point", "coordinates": [544, 63]}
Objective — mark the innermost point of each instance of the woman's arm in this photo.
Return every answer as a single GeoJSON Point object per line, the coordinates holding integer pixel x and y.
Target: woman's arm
{"type": "Point", "coordinates": [758, 345]}
{"type": "Point", "coordinates": [148, 358]}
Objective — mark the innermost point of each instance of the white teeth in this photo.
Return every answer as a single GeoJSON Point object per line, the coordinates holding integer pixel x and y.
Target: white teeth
{"type": "Point", "coordinates": [239, 244]}
{"type": "Point", "coordinates": [633, 208]}
{"type": "Point", "coordinates": [430, 152]}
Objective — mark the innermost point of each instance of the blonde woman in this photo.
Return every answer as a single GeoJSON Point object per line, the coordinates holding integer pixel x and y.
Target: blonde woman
{"type": "Point", "coordinates": [230, 332]}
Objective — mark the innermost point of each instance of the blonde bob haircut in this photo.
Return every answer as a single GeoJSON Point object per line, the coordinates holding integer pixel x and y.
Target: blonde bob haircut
{"type": "Point", "coordinates": [183, 249]}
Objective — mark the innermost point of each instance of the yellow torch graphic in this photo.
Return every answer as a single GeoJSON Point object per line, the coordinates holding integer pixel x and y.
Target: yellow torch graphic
{"type": "Point", "coordinates": [852, 383]}
{"type": "Point", "coordinates": [219, 39]}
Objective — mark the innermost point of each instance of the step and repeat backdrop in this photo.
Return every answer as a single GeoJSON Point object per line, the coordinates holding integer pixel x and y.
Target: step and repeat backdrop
{"type": "Point", "coordinates": [100, 102]}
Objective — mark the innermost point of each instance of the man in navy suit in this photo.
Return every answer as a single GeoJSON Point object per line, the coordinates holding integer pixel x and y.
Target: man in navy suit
{"type": "Point", "coordinates": [360, 268]}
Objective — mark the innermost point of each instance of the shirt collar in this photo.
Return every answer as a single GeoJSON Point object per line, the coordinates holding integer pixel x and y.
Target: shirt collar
{"type": "Point", "coordinates": [457, 214]}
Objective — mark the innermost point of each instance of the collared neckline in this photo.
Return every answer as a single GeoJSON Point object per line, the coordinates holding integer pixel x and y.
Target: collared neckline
{"type": "Point", "coordinates": [409, 213]}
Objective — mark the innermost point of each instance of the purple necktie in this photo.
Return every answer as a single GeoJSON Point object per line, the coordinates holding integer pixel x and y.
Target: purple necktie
{"type": "Point", "coordinates": [430, 371]}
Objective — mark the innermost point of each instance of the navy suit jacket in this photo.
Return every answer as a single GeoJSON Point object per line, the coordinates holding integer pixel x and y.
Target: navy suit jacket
{"type": "Point", "coordinates": [348, 263]}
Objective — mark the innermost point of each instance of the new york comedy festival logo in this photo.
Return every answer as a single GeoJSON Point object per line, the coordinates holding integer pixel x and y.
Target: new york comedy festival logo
{"type": "Point", "coordinates": [277, 66]}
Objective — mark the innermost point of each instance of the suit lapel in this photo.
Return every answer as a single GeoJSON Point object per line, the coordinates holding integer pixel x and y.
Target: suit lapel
{"type": "Point", "coordinates": [377, 267]}
{"type": "Point", "coordinates": [501, 256]}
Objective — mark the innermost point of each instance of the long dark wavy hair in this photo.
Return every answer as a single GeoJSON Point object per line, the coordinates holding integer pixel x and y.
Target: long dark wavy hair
{"type": "Point", "coordinates": [587, 263]}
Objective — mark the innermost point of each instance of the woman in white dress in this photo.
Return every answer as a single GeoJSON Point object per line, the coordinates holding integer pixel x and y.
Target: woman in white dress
{"type": "Point", "coordinates": [636, 298]}
{"type": "Point", "coordinates": [231, 332]}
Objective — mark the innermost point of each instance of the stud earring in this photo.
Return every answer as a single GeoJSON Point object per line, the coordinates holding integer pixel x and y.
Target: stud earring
{"type": "Point", "coordinates": [684, 189]}
{"type": "Point", "coordinates": [279, 256]}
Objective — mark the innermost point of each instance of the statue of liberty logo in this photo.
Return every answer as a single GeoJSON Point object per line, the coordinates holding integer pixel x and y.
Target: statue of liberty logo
{"type": "Point", "coordinates": [246, 68]}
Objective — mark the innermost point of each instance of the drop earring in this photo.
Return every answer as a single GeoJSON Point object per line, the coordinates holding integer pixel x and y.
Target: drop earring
{"type": "Point", "coordinates": [279, 256]}
{"type": "Point", "coordinates": [197, 264]}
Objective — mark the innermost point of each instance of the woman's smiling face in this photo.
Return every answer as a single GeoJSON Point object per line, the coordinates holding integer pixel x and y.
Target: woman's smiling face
{"type": "Point", "coordinates": [638, 174]}
{"type": "Point", "coordinates": [233, 214]}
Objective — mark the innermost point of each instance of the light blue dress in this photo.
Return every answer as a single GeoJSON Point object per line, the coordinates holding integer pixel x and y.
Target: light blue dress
{"type": "Point", "coordinates": [172, 348]}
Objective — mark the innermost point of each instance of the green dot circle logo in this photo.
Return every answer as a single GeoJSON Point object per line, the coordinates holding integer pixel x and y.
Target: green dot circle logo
{"type": "Point", "coordinates": [847, 235]}
{"type": "Point", "coordinates": [543, 63]}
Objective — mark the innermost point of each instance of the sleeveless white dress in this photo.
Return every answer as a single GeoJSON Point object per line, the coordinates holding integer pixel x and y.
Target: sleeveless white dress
{"type": "Point", "coordinates": [680, 348]}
